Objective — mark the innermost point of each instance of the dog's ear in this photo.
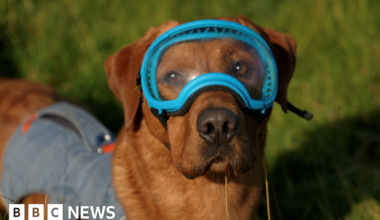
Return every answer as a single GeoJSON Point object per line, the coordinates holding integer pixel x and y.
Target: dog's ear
{"type": "Point", "coordinates": [122, 69]}
{"type": "Point", "coordinates": [122, 80]}
{"type": "Point", "coordinates": [283, 47]}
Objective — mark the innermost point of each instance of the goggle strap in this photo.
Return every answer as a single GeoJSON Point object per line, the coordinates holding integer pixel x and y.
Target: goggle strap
{"type": "Point", "coordinates": [138, 81]}
{"type": "Point", "coordinates": [304, 114]}
{"type": "Point", "coordinates": [261, 117]}
{"type": "Point", "coordinates": [167, 146]}
{"type": "Point", "coordinates": [163, 118]}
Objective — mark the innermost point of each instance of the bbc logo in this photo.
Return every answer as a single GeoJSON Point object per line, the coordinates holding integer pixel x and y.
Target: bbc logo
{"type": "Point", "coordinates": [55, 212]}
{"type": "Point", "coordinates": [35, 212]}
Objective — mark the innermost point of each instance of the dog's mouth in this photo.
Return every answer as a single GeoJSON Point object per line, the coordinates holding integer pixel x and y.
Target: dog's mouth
{"type": "Point", "coordinates": [217, 164]}
{"type": "Point", "coordinates": [222, 162]}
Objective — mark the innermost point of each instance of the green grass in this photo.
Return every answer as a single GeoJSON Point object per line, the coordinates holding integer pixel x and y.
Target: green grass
{"type": "Point", "coordinates": [328, 168]}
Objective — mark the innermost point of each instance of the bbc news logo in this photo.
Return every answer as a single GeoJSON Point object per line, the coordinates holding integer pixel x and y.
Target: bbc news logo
{"type": "Point", "coordinates": [55, 212]}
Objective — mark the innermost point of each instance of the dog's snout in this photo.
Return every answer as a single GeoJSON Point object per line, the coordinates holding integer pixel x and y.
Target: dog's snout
{"type": "Point", "coordinates": [217, 126]}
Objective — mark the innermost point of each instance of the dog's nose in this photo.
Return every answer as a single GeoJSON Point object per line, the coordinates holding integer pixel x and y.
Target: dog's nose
{"type": "Point", "coordinates": [217, 126]}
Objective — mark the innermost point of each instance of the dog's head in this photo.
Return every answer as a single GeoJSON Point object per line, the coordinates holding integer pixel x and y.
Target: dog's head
{"type": "Point", "coordinates": [215, 134]}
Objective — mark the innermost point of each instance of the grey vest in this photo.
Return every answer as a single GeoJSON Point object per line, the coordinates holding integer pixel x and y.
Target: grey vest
{"type": "Point", "coordinates": [59, 156]}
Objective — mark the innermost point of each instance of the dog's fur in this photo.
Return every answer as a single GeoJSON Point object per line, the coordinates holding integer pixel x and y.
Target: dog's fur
{"type": "Point", "coordinates": [150, 180]}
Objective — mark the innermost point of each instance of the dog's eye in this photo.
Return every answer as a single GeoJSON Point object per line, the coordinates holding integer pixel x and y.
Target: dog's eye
{"type": "Point", "coordinates": [240, 68]}
{"type": "Point", "coordinates": [174, 78]}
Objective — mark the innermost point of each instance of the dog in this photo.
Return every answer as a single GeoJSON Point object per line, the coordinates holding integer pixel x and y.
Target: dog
{"type": "Point", "coordinates": [176, 169]}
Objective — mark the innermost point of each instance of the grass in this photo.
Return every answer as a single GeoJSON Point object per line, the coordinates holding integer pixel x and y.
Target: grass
{"type": "Point", "coordinates": [324, 169]}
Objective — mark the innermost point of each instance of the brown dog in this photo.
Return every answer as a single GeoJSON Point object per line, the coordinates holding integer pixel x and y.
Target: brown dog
{"type": "Point", "coordinates": [148, 178]}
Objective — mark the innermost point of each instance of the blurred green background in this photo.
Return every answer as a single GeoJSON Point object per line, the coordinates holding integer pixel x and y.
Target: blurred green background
{"type": "Point", "coordinates": [328, 168]}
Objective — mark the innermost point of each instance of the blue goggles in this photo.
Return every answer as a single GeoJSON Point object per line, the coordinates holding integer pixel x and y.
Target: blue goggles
{"type": "Point", "coordinates": [208, 55]}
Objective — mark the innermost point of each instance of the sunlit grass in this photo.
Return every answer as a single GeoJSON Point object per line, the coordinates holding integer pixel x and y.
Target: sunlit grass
{"type": "Point", "coordinates": [317, 168]}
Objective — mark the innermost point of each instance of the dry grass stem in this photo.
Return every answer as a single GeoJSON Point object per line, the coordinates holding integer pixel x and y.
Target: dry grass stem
{"type": "Point", "coordinates": [266, 187]}
{"type": "Point", "coordinates": [225, 178]}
